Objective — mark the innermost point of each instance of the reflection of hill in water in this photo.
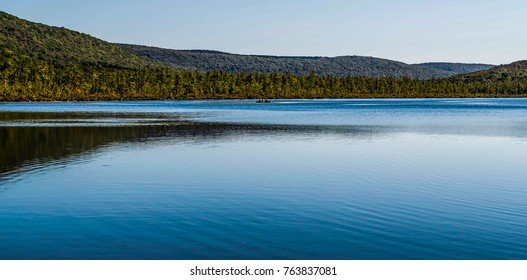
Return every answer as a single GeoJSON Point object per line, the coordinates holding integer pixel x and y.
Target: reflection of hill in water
{"type": "Point", "coordinates": [32, 140]}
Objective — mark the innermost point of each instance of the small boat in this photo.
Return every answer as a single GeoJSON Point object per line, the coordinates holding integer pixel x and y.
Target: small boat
{"type": "Point", "coordinates": [263, 101]}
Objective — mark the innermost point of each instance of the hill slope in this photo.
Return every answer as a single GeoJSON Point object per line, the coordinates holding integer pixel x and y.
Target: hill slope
{"type": "Point", "coordinates": [513, 72]}
{"type": "Point", "coordinates": [456, 68]}
{"type": "Point", "coordinates": [57, 44]}
{"type": "Point", "coordinates": [334, 66]}
{"type": "Point", "coordinates": [60, 45]}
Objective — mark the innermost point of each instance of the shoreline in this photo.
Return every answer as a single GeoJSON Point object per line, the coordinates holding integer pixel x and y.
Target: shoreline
{"type": "Point", "coordinates": [254, 101]}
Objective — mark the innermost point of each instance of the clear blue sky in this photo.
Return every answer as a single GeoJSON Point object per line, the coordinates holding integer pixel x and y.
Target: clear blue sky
{"type": "Point", "coordinates": [407, 30]}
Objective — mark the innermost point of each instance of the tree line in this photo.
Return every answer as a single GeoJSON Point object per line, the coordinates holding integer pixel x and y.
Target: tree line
{"type": "Point", "coordinates": [24, 79]}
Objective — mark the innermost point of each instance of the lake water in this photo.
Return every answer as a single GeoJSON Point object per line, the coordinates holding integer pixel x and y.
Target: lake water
{"type": "Point", "coordinates": [293, 179]}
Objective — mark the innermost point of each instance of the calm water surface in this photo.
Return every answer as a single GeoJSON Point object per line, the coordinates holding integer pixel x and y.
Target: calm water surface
{"type": "Point", "coordinates": [294, 179]}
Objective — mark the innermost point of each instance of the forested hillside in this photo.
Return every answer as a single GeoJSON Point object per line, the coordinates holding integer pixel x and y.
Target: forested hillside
{"type": "Point", "coordinates": [60, 45]}
{"type": "Point", "coordinates": [515, 72]}
{"type": "Point", "coordinates": [42, 63]}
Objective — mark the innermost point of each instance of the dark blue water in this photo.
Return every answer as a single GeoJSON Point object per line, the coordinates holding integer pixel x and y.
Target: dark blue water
{"type": "Point", "coordinates": [293, 179]}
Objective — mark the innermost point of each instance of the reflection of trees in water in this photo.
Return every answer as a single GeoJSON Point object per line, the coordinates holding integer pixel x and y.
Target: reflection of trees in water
{"type": "Point", "coordinates": [27, 146]}
{"type": "Point", "coordinates": [23, 146]}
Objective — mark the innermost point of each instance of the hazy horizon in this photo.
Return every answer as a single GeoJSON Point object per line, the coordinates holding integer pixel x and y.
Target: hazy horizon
{"type": "Point", "coordinates": [409, 31]}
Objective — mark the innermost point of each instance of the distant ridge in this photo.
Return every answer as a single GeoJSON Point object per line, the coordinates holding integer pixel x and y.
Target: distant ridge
{"type": "Point", "coordinates": [457, 68]}
{"type": "Point", "coordinates": [202, 60]}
